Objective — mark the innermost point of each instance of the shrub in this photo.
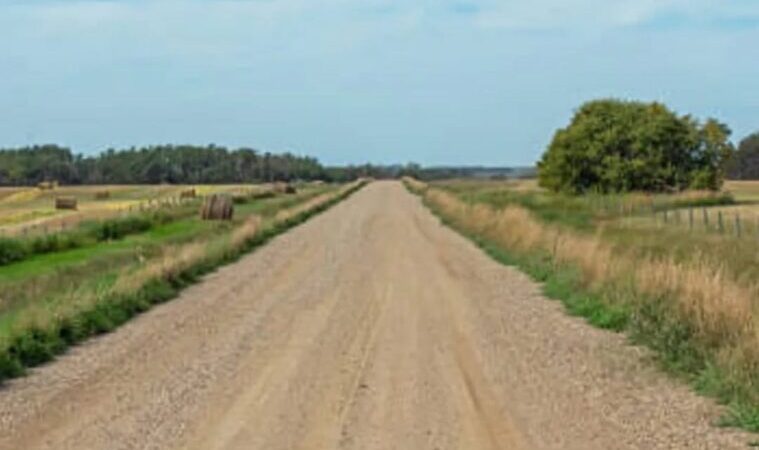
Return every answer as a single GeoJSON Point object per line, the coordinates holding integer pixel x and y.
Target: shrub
{"type": "Point", "coordinates": [12, 250]}
{"type": "Point", "coordinates": [56, 242]}
{"type": "Point", "coordinates": [620, 146]}
{"type": "Point", "coordinates": [118, 228]}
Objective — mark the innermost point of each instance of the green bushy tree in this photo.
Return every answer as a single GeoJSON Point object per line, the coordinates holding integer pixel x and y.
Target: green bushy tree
{"type": "Point", "coordinates": [619, 146]}
{"type": "Point", "coordinates": [744, 165]}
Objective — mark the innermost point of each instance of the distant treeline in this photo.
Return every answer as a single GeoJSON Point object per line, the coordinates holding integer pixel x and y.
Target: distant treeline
{"type": "Point", "coordinates": [153, 165]}
{"type": "Point", "coordinates": [190, 164]}
{"type": "Point", "coordinates": [433, 172]}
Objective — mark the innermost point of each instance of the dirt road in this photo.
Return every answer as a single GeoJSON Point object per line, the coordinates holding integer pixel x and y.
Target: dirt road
{"type": "Point", "coordinates": [369, 327]}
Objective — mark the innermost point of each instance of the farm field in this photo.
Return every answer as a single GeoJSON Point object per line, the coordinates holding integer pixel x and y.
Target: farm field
{"type": "Point", "coordinates": [30, 209]}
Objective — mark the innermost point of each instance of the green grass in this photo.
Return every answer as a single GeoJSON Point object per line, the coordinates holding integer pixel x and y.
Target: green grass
{"type": "Point", "coordinates": [87, 234]}
{"type": "Point", "coordinates": [585, 213]}
{"type": "Point", "coordinates": [42, 275]}
{"type": "Point", "coordinates": [41, 264]}
{"type": "Point", "coordinates": [33, 344]}
{"type": "Point", "coordinates": [160, 232]}
{"type": "Point", "coordinates": [272, 205]}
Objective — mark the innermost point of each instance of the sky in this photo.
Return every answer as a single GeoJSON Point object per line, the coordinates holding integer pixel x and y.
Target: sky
{"type": "Point", "coordinates": [350, 81]}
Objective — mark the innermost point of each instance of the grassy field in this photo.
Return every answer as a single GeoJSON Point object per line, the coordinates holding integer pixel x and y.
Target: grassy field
{"type": "Point", "coordinates": [99, 273]}
{"type": "Point", "coordinates": [29, 209]}
{"type": "Point", "coordinates": [687, 292]}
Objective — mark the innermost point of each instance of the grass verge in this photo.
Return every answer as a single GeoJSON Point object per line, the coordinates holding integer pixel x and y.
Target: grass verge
{"type": "Point", "coordinates": [699, 323]}
{"type": "Point", "coordinates": [46, 330]}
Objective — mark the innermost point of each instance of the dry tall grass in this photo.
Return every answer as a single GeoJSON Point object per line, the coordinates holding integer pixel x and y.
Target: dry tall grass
{"type": "Point", "coordinates": [715, 306]}
{"type": "Point", "coordinates": [414, 184]}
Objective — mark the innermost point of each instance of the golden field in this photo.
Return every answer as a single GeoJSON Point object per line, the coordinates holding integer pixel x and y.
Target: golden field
{"type": "Point", "coordinates": [26, 209]}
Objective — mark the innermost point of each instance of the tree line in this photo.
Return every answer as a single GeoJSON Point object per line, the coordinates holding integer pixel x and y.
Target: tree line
{"type": "Point", "coordinates": [189, 164]}
{"type": "Point", "coordinates": [181, 164]}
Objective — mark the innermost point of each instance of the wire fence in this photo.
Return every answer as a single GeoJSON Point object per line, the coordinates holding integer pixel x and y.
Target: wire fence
{"type": "Point", "coordinates": [729, 222]}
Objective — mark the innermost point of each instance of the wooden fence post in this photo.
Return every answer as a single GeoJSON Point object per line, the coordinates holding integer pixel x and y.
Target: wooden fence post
{"type": "Point", "coordinates": [720, 222]}
{"type": "Point", "coordinates": [738, 230]}
{"type": "Point", "coordinates": [706, 218]}
{"type": "Point", "coordinates": [690, 219]}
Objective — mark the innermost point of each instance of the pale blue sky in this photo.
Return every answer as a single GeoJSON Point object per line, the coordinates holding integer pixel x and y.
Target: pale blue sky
{"type": "Point", "coordinates": [437, 82]}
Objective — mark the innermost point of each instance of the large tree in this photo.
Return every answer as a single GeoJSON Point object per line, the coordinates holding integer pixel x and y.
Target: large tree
{"type": "Point", "coordinates": [619, 146]}
{"type": "Point", "coordinates": [744, 164]}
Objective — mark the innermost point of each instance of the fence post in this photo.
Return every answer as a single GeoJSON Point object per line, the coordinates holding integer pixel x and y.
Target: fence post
{"type": "Point", "coordinates": [690, 219]}
{"type": "Point", "coordinates": [706, 218]}
{"type": "Point", "coordinates": [738, 230]}
{"type": "Point", "coordinates": [720, 222]}
{"type": "Point", "coordinates": [666, 218]}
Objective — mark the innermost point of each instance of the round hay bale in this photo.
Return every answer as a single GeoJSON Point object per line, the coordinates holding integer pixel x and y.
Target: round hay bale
{"type": "Point", "coordinates": [284, 188]}
{"type": "Point", "coordinates": [65, 203]}
{"type": "Point", "coordinates": [188, 193]}
{"type": "Point", "coordinates": [102, 195]}
{"type": "Point", "coordinates": [217, 207]}
{"type": "Point", "coordinates": [47, 185]}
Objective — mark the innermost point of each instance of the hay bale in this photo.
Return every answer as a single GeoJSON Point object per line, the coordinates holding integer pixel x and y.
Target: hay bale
{"type": "Point", "coordinates": [65, 203]}
{"type": "Point", "coordinates": [188, 193]}
{"type": "Point", "coordinates": [217, 207]}
{"type": "Point", "coordinates": [47, 185]}
{"type": "Point", "coordinates": [102, 195]}
{"type": "Point", "coordinates": [284, 188]}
